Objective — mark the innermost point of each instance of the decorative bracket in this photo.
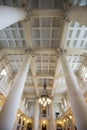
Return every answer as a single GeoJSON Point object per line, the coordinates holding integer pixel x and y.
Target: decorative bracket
{"type": "Point", "coordinates": [61, 51]}
{"type": "Point", "coordinates": [30, 51]}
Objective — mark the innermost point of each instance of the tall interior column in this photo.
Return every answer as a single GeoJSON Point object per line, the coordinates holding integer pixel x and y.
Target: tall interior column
{"type": "Point", "coordinates": [52, 117]}
{"type": "Point", "coordinates": [10, 107]}
{"type": "Point", "coordinates": [78, 104]}
{"type": "Point", "coordinates": [78, 14]}
{"type": "Point", "coordinates": [10, 15]}
{"type": "Point", "coordinates": [36, 116]}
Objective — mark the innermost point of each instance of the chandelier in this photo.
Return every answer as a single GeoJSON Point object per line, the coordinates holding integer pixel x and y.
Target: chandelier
{"type": "Point", "coordinates": [44, 99]}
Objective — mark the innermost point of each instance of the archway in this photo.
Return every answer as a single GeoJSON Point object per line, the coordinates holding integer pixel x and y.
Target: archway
{"type": "Point", "coordinates": [29, 126]}
{"type": "Point", "coordinates": [44, 127]}
{"type": "Point", "coordinates": [75, 128]}
{"type": "Point", "coordinates": [58, 127]}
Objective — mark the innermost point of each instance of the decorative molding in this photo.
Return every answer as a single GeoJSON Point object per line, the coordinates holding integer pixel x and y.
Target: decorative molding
{"type": "Point", "coordinates": [30, 51]}
{"type": "Point", "coordinates": [61, 51]}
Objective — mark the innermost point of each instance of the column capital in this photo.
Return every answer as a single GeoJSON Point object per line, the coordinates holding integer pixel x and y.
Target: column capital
{"type": "Point", "coordinates": [30, 51]}
{"type": "Point", "coordinates": [60, 51]}
{"type": "Point", "coordinates": [67, 7]}
{"type": "Point", "coordinates": [28, 13]}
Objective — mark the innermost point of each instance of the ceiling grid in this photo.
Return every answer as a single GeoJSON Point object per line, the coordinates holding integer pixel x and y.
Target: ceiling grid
{"type": "Point", "coordinates": [45, 32]}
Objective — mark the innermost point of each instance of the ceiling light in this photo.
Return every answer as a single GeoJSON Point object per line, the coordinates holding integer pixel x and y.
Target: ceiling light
{"type": "Point", "coordinates": [18, 115]}
{"type": "Point", "coordinates": [24, 119]}
{"type": "Point", "coordinates": [60, 122]}
{"type": "Point", "coordinates": [28, 121]}
{"type": "Point", "coordinates": [70, 117]}
{"type": "Point", "coordinates": [44, 122]}
{"type": "Point", "coordinates": [64, 120]}
{"type": "Point", "coordinates": [44, 100]}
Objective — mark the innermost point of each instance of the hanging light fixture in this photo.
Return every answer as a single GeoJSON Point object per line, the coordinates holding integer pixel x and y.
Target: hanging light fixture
{"type": "Point", "coordinates": [44, 100]}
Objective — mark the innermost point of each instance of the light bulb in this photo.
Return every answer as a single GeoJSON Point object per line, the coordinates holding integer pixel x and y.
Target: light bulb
{"type": "Point", "coordinates": [64, 120]}
{"type": "Point", "coordinates": [70, 117]}
{"type": "Point", "coordinates": [43, 99]}
{"type": "Point", "coordinates": [39, 100]}
{"type": "Point", "coordinates": [24, 119]}
{"type": "Point", "coordinates": [44, 105]}
{"type": "Point", "coordinates": [49, 101]}
{"type": "Point", "coordinates": [18, 115]}
{"type": "Point", "coordinates": [27, 121]}
{"type": "Point", "coordinates": [60, 122]}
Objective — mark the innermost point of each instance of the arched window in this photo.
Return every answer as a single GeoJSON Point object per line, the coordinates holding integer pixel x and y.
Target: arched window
{"type": "Point", "coordinates": [23, 125]}
{"type": "Point", "coordinates": [29, 126]}
{"type": "Point", "coordinates": [19, 121]}
{"type": "Point", "coordinates": [19, 124]}
{"type": "Point", "coordinates": [58, 127]}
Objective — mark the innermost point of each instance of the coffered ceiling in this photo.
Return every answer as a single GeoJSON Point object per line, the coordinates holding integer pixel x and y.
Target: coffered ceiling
{"type": "Point", "coordinates": [45, 32]}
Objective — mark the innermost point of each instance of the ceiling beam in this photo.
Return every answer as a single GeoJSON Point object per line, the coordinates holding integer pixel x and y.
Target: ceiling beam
{"type": "Point", "coordinates": [31, 87]}
{"type": "Point", "coordinates": [29, 95]}
{"type": "Point", "coordinates": [23, 50]}
{"type": "Point", "coordinates": [27, 30]}
{"type": "Point", "coordinates": [41, 76]}
{"type": "Point", "coordinates": [46, 13]}
{"type": "Point", "coordinates": [20, 51]}
{"type": "Point", "coordinates": [48, 28]}
{"type": "Point", "coordinates": [76, 51]}
{"type": "Point", "coordinates": [64, 32]}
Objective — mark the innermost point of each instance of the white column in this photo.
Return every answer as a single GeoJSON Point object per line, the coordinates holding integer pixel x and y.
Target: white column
{"type": "Point", "coordinates": [36, 116]}
{"type": "Point", "coordinates": [9, 110]}
{"type": "Point", "coordinates": [79, 106]}
{"type": "Point", "coordinates": [52, 117]}
{"type": "Point", "coordinates": [10, 15]}
{"type": "Point", "coordinates": [78, 14]}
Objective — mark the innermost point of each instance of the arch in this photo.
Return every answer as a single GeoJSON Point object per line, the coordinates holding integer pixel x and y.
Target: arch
{"type": "Point", "coordinates": [44, 127]}
{"type": "Point", "coordinates": [19, 123]}
{"type": "Point", "coordinates": [58, 127]}
{"type": "Point", "coordinates": [75, 128]}
{"type": "Point", "coordinates": [29, 126]}
{"type": "Point", "coordinates": [23, 123]}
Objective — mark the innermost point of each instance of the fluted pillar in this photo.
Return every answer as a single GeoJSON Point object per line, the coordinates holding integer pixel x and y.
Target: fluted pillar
{"type": "Point", "coordinates": [52, 117]}
{"type": "Point", "coordinates": [10, 15]}
{"type": "Point", "coordinates": [9, 110]}
{"type": "Point", "coordinates": [78, 104]}
{"type": "Point", "coordinates": [78, 14]}
{"type": "Point", "coordinates": [36, 115]}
